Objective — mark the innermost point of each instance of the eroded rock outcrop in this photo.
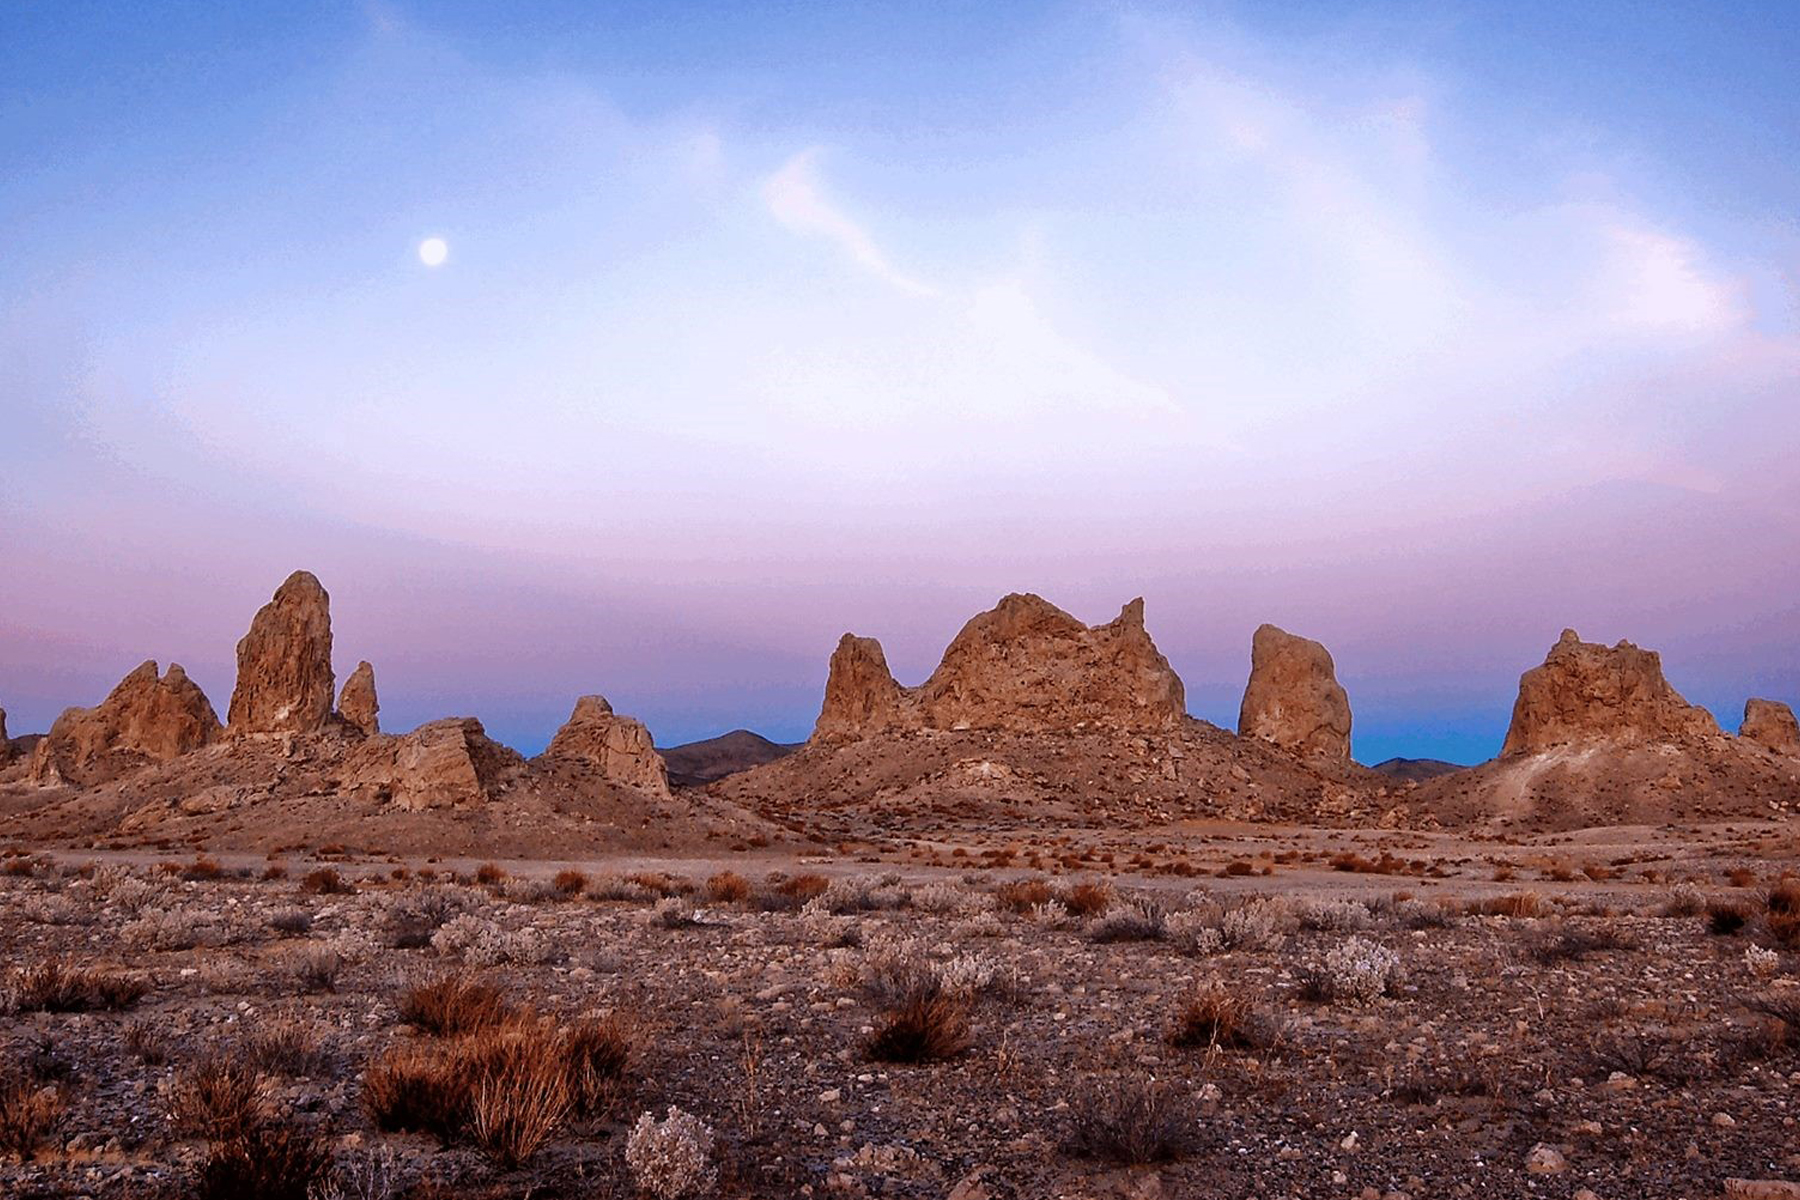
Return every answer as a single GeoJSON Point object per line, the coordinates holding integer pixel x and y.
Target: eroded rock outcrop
{"type": "Point", "coordinates": [147, 718]}
{"type": "Point", "coordinates": [284, 680]}
{"type": "Point", "coordinates": [861, 696]}
{"type": "Point", "coordinates": [1293, 698]}
{"type": "Point", "coordinates": [1589, 693]}
{"type": "Point", "coordinates": [5, 745]}
{"type": "Point", "coordinates": [1771, 724]}
{"type": "Point", "coordinates": [1024, 666]}
{"type": "Point", "coordinates": [620, 747]}
{"type": "Point", "coordinates": [357, 704]}
{"type": "Point", "coordinates": [450, 763]}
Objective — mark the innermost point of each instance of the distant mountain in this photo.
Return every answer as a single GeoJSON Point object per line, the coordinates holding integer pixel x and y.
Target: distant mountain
{"type": "Point", "coordinates": [696, 763]}
{"type": "Point", "coordinates": [1415, 770]}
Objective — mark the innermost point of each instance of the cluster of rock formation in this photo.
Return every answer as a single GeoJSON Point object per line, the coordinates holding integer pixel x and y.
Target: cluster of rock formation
{"type": "Point", "coordinates": [284, 692]}
{"type": "Point", "coordinates": [1587, 692]}
{"type": "Point", "coordinates": [1023, 666]}
{"type": "Point", "coordinates": [149, 717]}
{"type": "Point", "coordinates": [1294, 699]}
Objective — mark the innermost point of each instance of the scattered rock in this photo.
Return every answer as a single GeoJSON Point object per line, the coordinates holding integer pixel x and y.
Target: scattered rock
{"type": "Point", "coordinates": [1588, 693]}
{"type": "Point", "coordinates": [144, 719]}
{"type": "Point", "coordinates": [1771, 724]}
{"type": "Point", "coordinates": [621, 747]}
{"type": "Point", "coordinates": [284, 680]}
{"type": "Point", "coordinates": [1293, 698]}
{"type": "Point", "coordinates": [358, 704]}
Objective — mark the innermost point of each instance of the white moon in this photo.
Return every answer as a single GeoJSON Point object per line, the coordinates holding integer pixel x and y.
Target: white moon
{"type": "Point", "coordinates": [433, 251]}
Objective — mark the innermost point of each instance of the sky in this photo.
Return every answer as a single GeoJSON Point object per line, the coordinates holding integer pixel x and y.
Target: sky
{"type": "Point", "coordinates": [1425, 330]}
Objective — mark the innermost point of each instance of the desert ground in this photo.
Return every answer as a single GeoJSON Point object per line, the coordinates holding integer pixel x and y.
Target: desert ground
{"type": "Point", "coordinates": [1299, 1013]}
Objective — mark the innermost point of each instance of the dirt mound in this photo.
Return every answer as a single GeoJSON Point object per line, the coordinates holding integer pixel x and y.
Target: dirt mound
{"type": "Point", "coordinates": [927, 783]}
{"type": "Point", "coordinates": [692, 764]}
{"type": "Point", "coordinates": [1025, 666]}
{"type": "Point", "coordinates": [1293, 698]}
{"type": "Point", "coordinates": [147, 718]}
{"type": "Point", "coordinates": [1415, 770]}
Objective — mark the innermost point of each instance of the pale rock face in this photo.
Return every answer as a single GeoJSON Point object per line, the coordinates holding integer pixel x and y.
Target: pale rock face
{"type": "Point", "coordinates": [1293, 698]}
{"type": "Point", "coordinates": [620, 747]}
{"type": "Point", "coordinates": [284, 681]}
{"type": "Point", "coordinates": [358, 704]}
{"type": "Point", "coordinates": [145, 719]}
{"type": "Point", "coordinates": [1023, 666]}
{"type": "Point", "coordinates": [1771, 724]}
{"type": "Point", "coordinates": [444, 764]}
{"type": "Point", "coordinates": [1586, 693]}
{"type": "Point", "coordinates": [861, 696]}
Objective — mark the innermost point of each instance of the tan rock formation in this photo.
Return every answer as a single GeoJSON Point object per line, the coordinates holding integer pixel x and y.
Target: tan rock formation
{"type": "Point", "coordinates": [5, 746]}
{"type": "Point", "coordinates": [284, 681]}
{"type": "Point", "coordinates": [621, 747]}
{"type": "Point", "coordinates": [1293, 698]}
{"type": "Point", "coordinates": [1588, 693]}
{"type": "Point", "coordinates": [144, 719]}
{"type": "Point", "coordinates": [1023, 666]}
{"type": "Point", "coordinates": [861, 696]}
{"type": "Point", "coordinates": [358, 704]}
{"type": "Point", "coordinates": [1771, 724]}
{"type": "Point", "coordinates": [444, 764]}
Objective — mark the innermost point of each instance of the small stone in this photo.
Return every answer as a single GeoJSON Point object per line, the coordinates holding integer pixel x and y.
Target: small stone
{"type": "Point", "coordinates": [1545, 1160]}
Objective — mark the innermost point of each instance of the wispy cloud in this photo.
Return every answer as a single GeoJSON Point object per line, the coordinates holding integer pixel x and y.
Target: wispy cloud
{"type": "Point", "coordinates": [797, 198]}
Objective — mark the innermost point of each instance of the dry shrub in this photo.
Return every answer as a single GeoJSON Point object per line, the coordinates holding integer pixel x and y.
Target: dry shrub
{"type": "Point", "coordinates": [1129, 1120]}
{"type": "Point", "coordinates": [1087, 899]}
{"type": "Point", "coordinates": [926, 1026]}
{"type": "Point", "coordinates": [1725, 919]}
{"type": "Point", "coordinates": [202, 868]}
{"type": "Point", "coordinates": [803, 887]}
{"type": "Point", "coordinates": [506, 1089]}
{"type": "Point", "coordinates": [31, 1112]}
{"type": "Point", "coordinates": [597, 1056]}
{"type": "Point", "coordinates": [1139, 921]}
{"type": "Point", "coordinates": [325, 882]}
{"type": "Point", "coordinates": [218, 1098]}
{"type": "Point", "coordinates": [569, 883]}
{"type": "Point", "coordinates": [1781, 909]}
{"type": "Point", "coordinates": [490, 874]}
{"type": "Point", "coordinates": [727, 887]}
{"type": "Point", "coordinates": [1560, 943]}
{"type": "Point", "coordinates": [1215, 1016]}
{"type": "Point", "coordinates": [287, 1046]}
{"type": "Point", "coordinates": [273, 1160]}
{"type": "Point", "coordinates": [50, 985]}
{"type": "Point", "coordinates": [1513, 904]}
{"type": "Point", "coordinates": [315, 968]}
{"type": "Point", "coordinates": [1023, 895]}
{"type": "Point", "coordinates": [1741, 876]}
{"type": "Point", "coordinates": [454, 1005]}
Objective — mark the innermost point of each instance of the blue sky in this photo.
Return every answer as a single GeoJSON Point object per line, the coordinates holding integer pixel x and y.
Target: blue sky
{"type": "Point", "coordinates": [1425, 330]}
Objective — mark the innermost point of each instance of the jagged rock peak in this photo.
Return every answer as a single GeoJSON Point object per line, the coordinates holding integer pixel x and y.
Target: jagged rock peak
{"type": "Point", "coordinates": [357, 704]}
{"type": "Point", "coordinates": [1024, 665]}
{"type": "Point", "coordinates": [284, 681]}
{"type": "Point", "coordinates": [147, 718]}
{"type": "Point", "coordinates": [621, 747]}
{"type": "Point", "coordinates": [861, 696]}
{"type": "Point", "coordinates": [1587, 693]}
{"type": "Point", "coordinates": [1293, 698]}
{"type": "Point", "coordinates": [1771, 724]}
